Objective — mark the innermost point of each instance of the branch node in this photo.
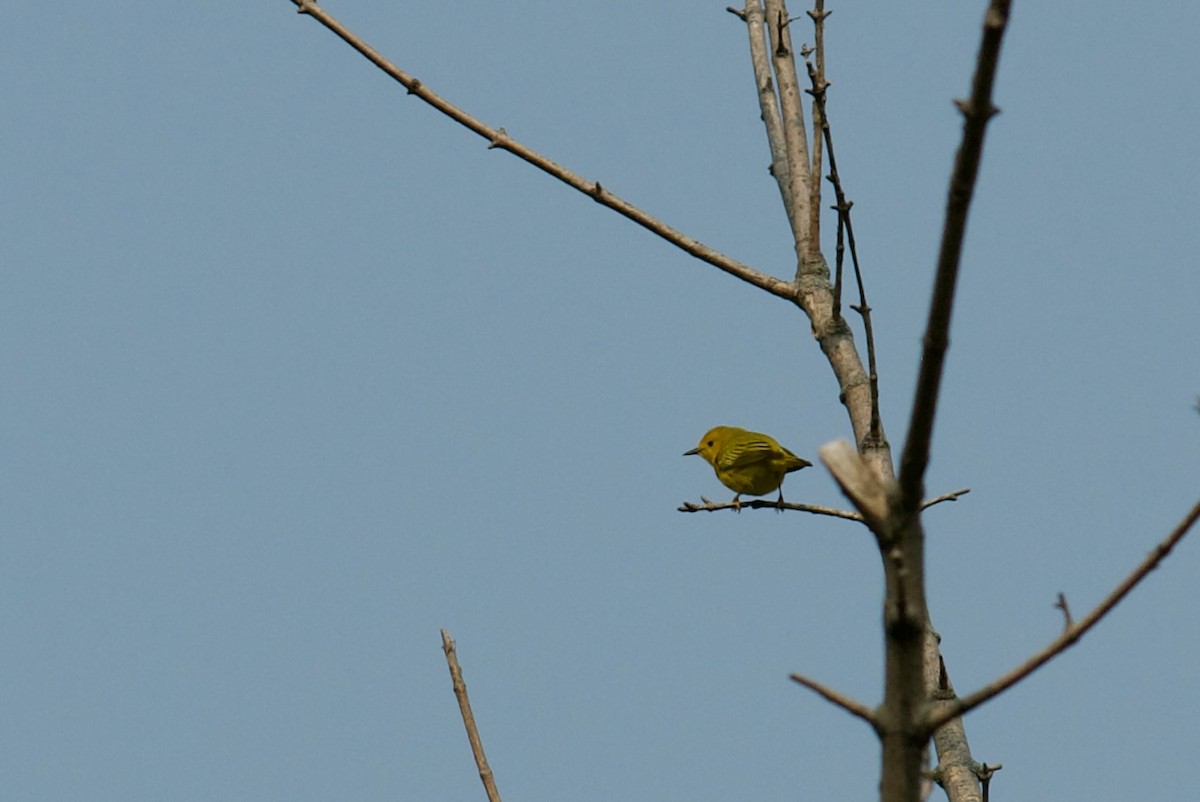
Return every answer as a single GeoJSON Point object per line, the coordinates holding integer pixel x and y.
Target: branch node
{"type": "Point", "coordinates": [967, 109]}
{"type": "Point", "coordinates": [984, 773]}
{"type": "Point", "coordinates": [414, 86]}
{"type": "Point", "coordinates": [737, 12]}
{"type": "Point", "coordinates": [596, 191]}
{"type": "Point", "coordinates": [499, 140]}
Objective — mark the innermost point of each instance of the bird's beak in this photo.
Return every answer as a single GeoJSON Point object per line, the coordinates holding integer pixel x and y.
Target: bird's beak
{"type": "Point", "coordinates": [693, 451]}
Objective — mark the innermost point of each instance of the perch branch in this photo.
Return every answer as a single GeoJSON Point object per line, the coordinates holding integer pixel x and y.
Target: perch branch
{"type": "Point", "coordinates": [833, 512]}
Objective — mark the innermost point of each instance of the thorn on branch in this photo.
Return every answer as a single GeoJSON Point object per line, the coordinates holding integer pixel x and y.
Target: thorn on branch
{"type": "Point", "coordinates": [737, 12]}
{"type": "Point", "coordinates": [304, 6]}
{"type": "Point", "coordinates": [597, 191]}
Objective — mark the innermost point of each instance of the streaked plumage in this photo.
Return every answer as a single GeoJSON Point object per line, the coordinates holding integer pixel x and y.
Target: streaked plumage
{"type": "Point", "coordinates": [747, 462]}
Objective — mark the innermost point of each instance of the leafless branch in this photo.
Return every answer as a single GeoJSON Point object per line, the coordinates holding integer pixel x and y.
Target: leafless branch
{"type": "Point", "coordinates": [851, 706]}
{"type": "Point", "coordinates": [464, 705]}
{"type": "Point", "coordinates": [795, 136]}
{"type": "Point", "coordinates": [845, 235]}
{"type": "Point", "coordinates": [818, 15]}
{"type": "Point", "coordinates": [1073, 633]}
{"type": "Point", "coordinates": [762, 504]}
{"type": "Point", "coordinates": [1061, 604]}
{"type": "Point", "coordinates": [498, 139]}
{"type": "Point", "coordinates": [833, 512]}
{"type": "Point", "coordinates": [976, 112]}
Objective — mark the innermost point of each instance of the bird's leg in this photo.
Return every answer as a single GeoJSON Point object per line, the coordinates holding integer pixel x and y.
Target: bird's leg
{"type": "Point", "coordinates": [737, 505]}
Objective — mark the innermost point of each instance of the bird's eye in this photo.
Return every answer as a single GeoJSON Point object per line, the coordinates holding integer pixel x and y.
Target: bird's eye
{"type": "Point", "coordinates": [710, 442]}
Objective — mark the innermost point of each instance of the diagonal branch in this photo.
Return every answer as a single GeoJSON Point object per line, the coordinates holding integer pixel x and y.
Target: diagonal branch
{"type": "Point", "coordinates": [976, 113]}
{"type": "Point", "coordinates": [1072, 633]}
{"type": "Point", "coordinates": [851, 706]}
{"type": "Point", "coordinates": [499, 138]}
{"type": "Point", "coordinates": [464, 706]}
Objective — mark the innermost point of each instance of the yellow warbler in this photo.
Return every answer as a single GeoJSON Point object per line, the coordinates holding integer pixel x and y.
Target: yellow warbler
{"type": "Point", "coordinates": [747, 462]}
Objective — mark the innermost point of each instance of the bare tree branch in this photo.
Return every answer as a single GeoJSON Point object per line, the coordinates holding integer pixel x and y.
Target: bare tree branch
{"type": "Point", "coordinates": [464, 705]}
{"type": "Point", "coordinates": [795, 136]}
{"type": "Point", "coordinates": [818, 15]}
{"type": "Point", "coordinates": [845, 235]}
{"type": "Point", "coordinates": [851, 706]}
{"type": "Point", "coordinates": [1073, 632]}
{"type": "Point", "coordinates": [976, 112]}
{"type": "Point", "coordinates": [768, 103]}
{"type": "Point", "coordinates": [499, 138]}
{"type": "Point", "coordinates": [833, 512]}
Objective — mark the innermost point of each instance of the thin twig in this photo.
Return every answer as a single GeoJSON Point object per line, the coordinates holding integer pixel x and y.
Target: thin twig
{"type": "Point", "coordinates": [833, 512]}
{"type": "Point", "coordinates": [498, 139]}
{"type": "Point", "coordinates": [464, 705]}
{"type": "Point", "coordinates": [951, 496]}
{"type": "Point", "coordinates": [976, 113]}
{"type": "Point", "coordinates": [851, 706]}
{"type": "Point", "coordinates": [818, 91]}
{"type": "Point", "coordinates": [762, 504]}
{"type": "Point", "coordinates": [1074, 632]}
{"type": "Point", "coordinates": [1061, 604]}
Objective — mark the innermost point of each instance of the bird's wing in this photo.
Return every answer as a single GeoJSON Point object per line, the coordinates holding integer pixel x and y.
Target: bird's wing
{"type": "Point", "coordinates": [741, 454]}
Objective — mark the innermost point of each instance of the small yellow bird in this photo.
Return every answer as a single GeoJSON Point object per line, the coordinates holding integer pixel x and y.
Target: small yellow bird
{"type": "Point", "coordinates": [747, 462]}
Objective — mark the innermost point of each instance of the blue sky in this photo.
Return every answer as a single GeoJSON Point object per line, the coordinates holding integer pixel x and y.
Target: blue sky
{"type": "Point", "coordinates": [297, 373]}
